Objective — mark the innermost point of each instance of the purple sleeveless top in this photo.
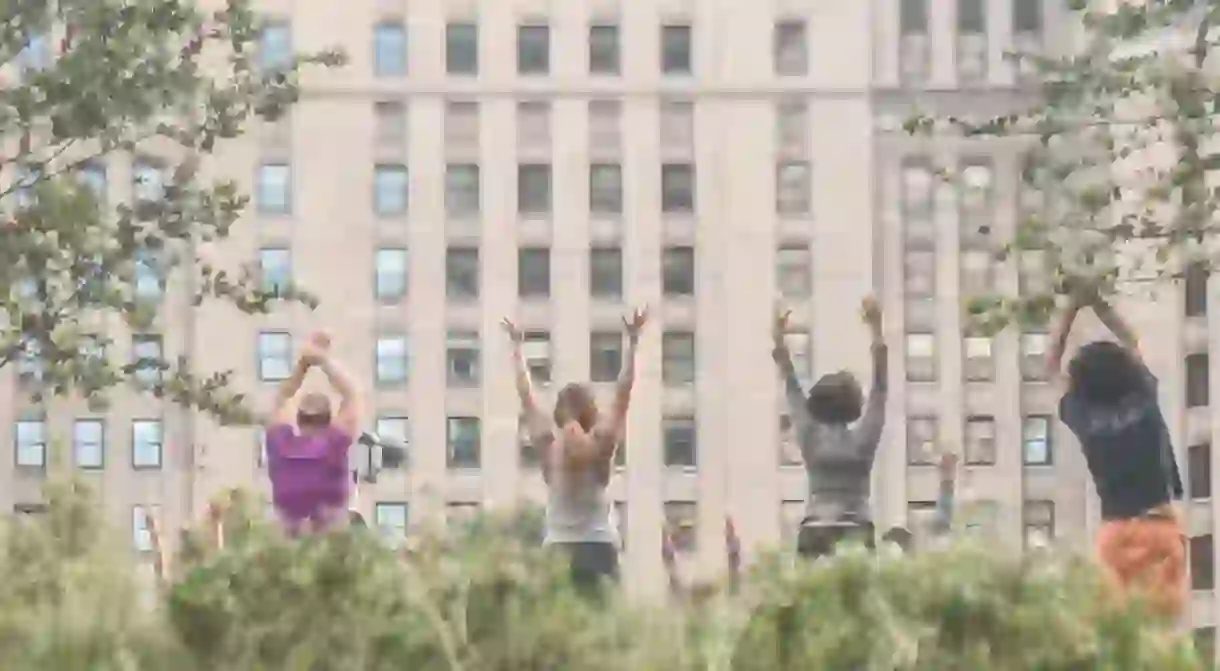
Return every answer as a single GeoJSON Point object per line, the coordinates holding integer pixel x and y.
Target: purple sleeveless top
{"type": "Point", "coordinates": [309, 475]}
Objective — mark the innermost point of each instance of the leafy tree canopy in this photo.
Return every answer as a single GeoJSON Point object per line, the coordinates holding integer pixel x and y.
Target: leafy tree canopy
{"type": "Point", "coordinates": [1120, 148]}
{"type": "Point", "coordinates": [158, 85]}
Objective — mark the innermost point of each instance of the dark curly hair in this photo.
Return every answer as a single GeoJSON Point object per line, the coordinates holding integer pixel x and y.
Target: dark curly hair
{"type": "Point", "coordinates": [1105, 372]}
{"type": "Point", "coordinates": [835, 398]}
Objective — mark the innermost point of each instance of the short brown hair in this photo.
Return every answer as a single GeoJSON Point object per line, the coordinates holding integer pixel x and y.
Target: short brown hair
{"type": "Point", "coordinates": [576, 398]}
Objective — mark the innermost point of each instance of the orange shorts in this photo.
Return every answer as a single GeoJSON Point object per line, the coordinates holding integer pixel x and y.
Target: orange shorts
{"type": "Point", "coordinates": [1147, 555]}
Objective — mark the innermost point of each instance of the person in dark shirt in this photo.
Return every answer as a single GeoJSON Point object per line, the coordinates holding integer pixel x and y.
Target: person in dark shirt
{"type": "Point", "coordinates": [1110, 404]}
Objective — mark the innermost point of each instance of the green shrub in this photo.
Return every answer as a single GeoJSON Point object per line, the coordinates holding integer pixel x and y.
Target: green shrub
{"type": "Point", "coordinates": [484, 600]}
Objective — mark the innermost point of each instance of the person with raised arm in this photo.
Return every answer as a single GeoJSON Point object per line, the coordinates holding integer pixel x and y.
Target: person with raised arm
{"type": "Point", "coordinates": [838, 454]}
{"type": "Point", "coordinates": [1110, 403]}
{"type": "Point", "coordinates": [307, 446]}
{"type": "Point", "coordinates": [576, 446]}
{"type": "Point", "coordinates": [942, 516]}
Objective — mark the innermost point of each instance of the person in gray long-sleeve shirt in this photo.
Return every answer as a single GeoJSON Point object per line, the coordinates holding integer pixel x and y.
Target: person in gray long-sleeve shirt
{"type": "Point", "coordinates": [838, 455]}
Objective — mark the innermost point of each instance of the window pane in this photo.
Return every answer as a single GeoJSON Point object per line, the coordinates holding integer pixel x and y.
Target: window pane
{"type": "Point", "coordinates": [390, 50]}
{"type": "Point", "coordinates": [678, 437]}
{"type": "Point", "coordinates": [391, 274]}
{"type": "Point", "coordinates": [30, 443]}
{"type": "Point", "coordinates": [678, 271]}
{"type": "Point", "coordinates": [391, 522]}
{"type": "Point", "coordinates": [142, 520]}
{"type": "Point", "coordinates": [1197, 380]}
{"type": "Point", "coordinates": [677, 187]}
{"type": "Point", "coordinates": [533, 50]}
{"type": "Point", "coordinates": [462, 48]}
{"type": "Point", "coordinates": [392, 360]}
{"type": "Point", "coordinates": [274, 356]}
{"type": "Point", "coordinates": [463, 442]}
{"type": "Point", "coordinates": [146, 443]}
{"type": "Point", "coordinates": [1202, 562]}
{"type": "Point", "coordinates": [791, 50]}
{"type": "Point", "coordinates": [606, 188]}
{"type": "Point", "coordinates": [682, 523]}
{"type": "Point", "coordinates": [462, 274]}
{"type": "Point", "coordinates": [88, 443]}
{"type": "Point", "coordinates": [793, 273]}
{"type": "Point", "coordinates": [1199, 470]}
{"type": "Point", "coordinates": [604, 49]}
{"type": "Point", "coordinates": [921, 357]}
{"type": "Point", "coordinates": [275, 45]}
{"type": "Point", "coordinates": [678, 358]}
{"type": "Point", "coordinates": [606, 272]}
{"type": "Point", "coordinates": [980, 441]}
{"type": "Point", "coordinates": [536, 349]}
{"type": "Point", "coordinates": [464, 360]}
{"type": "Point", "coordinates": [274, 189]}
{"type": "Point", "coordinates": [534, 188]}
{"type": "Point", "coordinates": [390, 189]}
{"type": "Point", "coordinates": [534, 272]}
{"type": "Point", "coordinates": [1036, 440]}
{"type": "Point", "coordinates": [462, 190]}
{"type": "Point", "coordinates": [676, 49]}
{"type": "Point", "coordinates": [146, 354]}
{"type": "Point", "coordinates": [275, 268]}
{"type": "Point", "coordinates": [605, 356]}
{"type": "Point", "coordinates": [913, 17]}
{"type": "Point", "coordinates": [921, 441]}
{"type": "Point", "coordinates": [1027, 16]}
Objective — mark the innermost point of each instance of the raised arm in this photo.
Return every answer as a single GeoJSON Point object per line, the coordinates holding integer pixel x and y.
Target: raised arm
{"type": "Point", "coordinates": [285, 397]}
{"type": "Point", "coordinates": [793, 394]}
{"type": "Point", "coordinates": [535, 420]}
{"type": "Point", "coordinates": [872, 421]}
{"type": "Point", "coordinates": [351, 408]}
{"type": "Point", "coordinates": [1059, 337]}
{"type": "Point", "coordinates": [626, 377]}
{"type": "Point", "coordinates": [1118, 326]}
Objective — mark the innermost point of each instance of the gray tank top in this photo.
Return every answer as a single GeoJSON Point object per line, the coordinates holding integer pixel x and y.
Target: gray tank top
{"type": "Point", "coordinates": [579, 509]}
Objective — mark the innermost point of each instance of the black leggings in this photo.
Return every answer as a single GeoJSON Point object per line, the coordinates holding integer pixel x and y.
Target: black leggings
{"type": "Point", "coordinates": [815, 541]}
{"type": "Point", "coordinates": [592, 564]}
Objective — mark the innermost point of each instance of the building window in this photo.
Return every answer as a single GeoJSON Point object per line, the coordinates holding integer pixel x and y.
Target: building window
{"type": "Point", "coordinates": [914, 48]}
{"type": "Point", "coordinates": [391, 360]}
{"type": "Point", "coordinates": [791, 48]}
{"type": "Point", "coordinates": [537, 352]}
{"type": "Point", "coordinates": [89, 443]}
{"type": "Point", "coordinates": [275, 268]}
{"type": "Point", "coordinates": [391, 522]}
{"type": "Point", "coordinates": [919, 274]}
{"type": "Point", "coordinates": [978, 273]}
{"type": "Point", "coordinates": [534, 188]}
{"type": "Point", "coordinates": [1198, 377]}
{"type": "Point", "coordinates": [534, 126]}
{"type": "Point", "coordinates": [605, 127]}
{"type": "Point", "coordinates": [792, 127]}
{"type": "Point", "coordinates": [678, 271]}
{"type": "Point", "coordinates": [1027, 16]}
{"type": "Point", "coordinates": [462, 273]}
{"type": "Point", "coordinates": [678, 358]}
{"type": "Point", "coordinates": [533, 50]}
{"type": "Point", "coordinates": [36, 55]}
{"type": "Point", "coordinates": [462, 351]}
{"type": "Point", "coordinates": [680, 445]}
{"type": "Point", "coordinates": [274, 356]}
{"type": "Point", "coordinates": [146, 356]}
{"type": "Point", "coordinates": [463, 437]}
{"type": "Point", "coordinates": [534, 272]}
{"type": "Point", "coordinates": [800, 349]}
{"type": "Point", "coordinates": [921, 357]}
{"type": "Point", "coordinates": [390, 123]}
{"type": "Point", "coordinates": [146, 440]}
{"type": "Point", "coordinates": [397, 429]}
{"type": "Point", "coordinates": [30, 366]}
{"type": "Point", "coordinates": [606, 188]}
{"type": "Point", "coordinates": [1036, 441]}
{"type": "Point", "coordinates": [606, 273]}
{"type": "Point", "coordinates": [793, 271]}
{"type": "Point", "coordinates": [30, 443]}
{"type": "Point", "coordinates": [1202, 560]}
{"type": "Point", "coordinates": [275, 46]}
{"type": "Point", "coordinates": [604, 50]}
{"type": "Point", "coordinates": [274, 188]}
{"type": "Point", "coordinates": [1196, 289]}
{"type": "Point", "coordinates": [676, 49]}
{"type": "Point", "coordinates": [793, 188]}
{"type": "Point", "coordinates": [390, 279]}
{"type": "Point", "coordinates": [1039, 523]}
{"type": "Point", "coordinates": [976, 204]}
{"type": "Point", "coordinates": [1199, 470]}
{"type": "Point", "coordinates": [921, 441]}
{"type": "Point", "coordinates": [682, 523]}
{"type": "Point", "coordinates": [462, 49]}
{"type": "Point", "coordinates": [142, 521]}
{"type": "Point", "coordinates": [979, 361]}
{"type": "Point", "coordinates": [971, 41]}
{"type": "Point", "coordinates": [462, 190]}
{"type": "Point", "coordinates": [390, 190]}
{"type": "Point", "coordinates": [390, 49]}
{"type": "Point", "coordinates": [980, 440]}
{"type": "Point", "coordinates": [605, 356]}
{"type": "Point", "coordinates": [1033, 356]}
{"type": "Point", "coordinates": [149, 280]}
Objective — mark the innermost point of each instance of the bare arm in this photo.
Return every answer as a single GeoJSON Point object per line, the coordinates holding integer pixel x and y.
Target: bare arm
{"type": "Point", "coordinates": [626, 382]}
{"type": "Point", "coordinates": [872, 422]}
{"type": "Point", "coordinates": [282, 411]}
{"type": "Point", "coordinates": [1118, 326]}
{"type": "Point", "coordinates": [350, 410]}
{"type": "Point", "coordinates": [536, 422]}
{"type": "Point", "coordinates": [1059, 337]}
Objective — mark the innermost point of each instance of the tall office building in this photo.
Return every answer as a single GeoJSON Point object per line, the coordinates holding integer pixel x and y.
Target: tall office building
{"type": "Point", "coordinates": [564, 162]}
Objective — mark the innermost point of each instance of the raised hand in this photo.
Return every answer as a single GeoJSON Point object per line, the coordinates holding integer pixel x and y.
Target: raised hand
{"type": "Point", "coordinates": [870, 312]}
{"type": "Point", "coordinates": [316, 348]}
{"type": "Point", "coordinates": [636, 323]}
{"type": "Point", "coordinates": [779, 328]}
{"type": "Point", "coordinates": [514, 332]}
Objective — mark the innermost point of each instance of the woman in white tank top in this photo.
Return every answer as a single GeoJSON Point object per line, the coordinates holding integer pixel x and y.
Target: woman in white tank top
{"type": "Point", "coordinates": [576, 447]}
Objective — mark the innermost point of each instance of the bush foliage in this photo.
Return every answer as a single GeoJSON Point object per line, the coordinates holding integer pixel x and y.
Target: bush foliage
{"type": "Point", "coordinates": [485, 600]}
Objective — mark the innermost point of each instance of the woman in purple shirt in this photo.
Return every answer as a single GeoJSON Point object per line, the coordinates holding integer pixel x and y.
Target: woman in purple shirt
{"type": "Point", "coordinates": [307, 448]}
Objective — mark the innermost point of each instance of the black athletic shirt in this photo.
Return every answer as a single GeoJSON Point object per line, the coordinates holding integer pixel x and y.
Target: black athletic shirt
{"type": "Point", "coordinates": [1128, 450]}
